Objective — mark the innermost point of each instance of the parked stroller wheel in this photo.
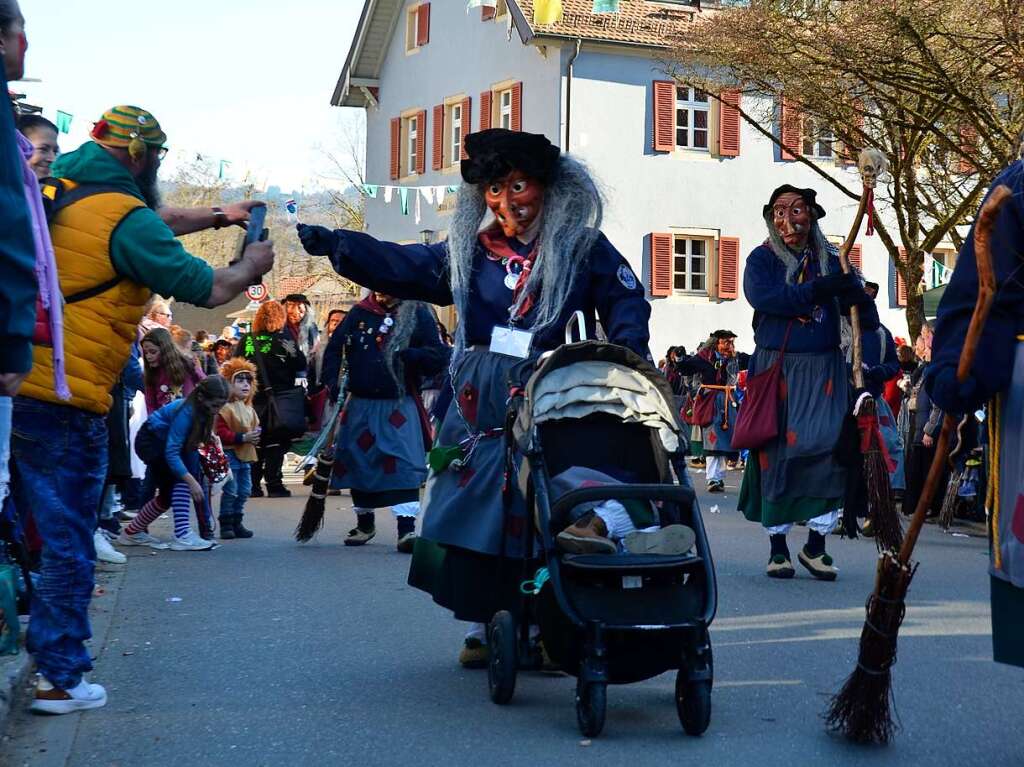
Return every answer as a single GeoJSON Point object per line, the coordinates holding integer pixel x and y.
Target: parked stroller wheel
{"type": "Point", "coordinates": [504, 652]}
{"type": "Point", "coordinates": [693, 703]}
{"type": "Point", "coordinates": [591, 703]}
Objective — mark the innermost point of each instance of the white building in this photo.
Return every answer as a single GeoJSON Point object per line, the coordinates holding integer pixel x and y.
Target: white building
{"type": "Point", "coordinates": [684, 182]}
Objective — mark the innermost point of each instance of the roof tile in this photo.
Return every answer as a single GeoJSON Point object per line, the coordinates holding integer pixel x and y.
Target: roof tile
{"type": "Point", "coordinates": [638, 22]}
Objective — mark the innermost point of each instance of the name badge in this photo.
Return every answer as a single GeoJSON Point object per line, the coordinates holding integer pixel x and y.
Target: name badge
{"type": "Point", "coordinates": [511, 342]}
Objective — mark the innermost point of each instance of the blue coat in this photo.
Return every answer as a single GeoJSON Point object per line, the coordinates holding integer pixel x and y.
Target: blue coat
{"type": "Point", "coordinates": [777, 303]}
{"type": "Point", "coordinates": [878, 350]}
{"type": "Point", "coordinates": [606, 288]}
{"type": "Point", "coordinates": [368, 376]}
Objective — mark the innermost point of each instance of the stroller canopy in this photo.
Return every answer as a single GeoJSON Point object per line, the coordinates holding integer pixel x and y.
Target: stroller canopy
{"type": "Point", "coordinates": [577, 380]}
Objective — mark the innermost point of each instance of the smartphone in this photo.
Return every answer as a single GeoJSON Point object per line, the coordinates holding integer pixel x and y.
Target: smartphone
{"type": "Point", "coordinates": [255, 231]}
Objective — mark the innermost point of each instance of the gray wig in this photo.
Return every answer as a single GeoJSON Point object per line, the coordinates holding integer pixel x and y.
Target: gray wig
{"type": "Point", "coordinates": [570, 224]}
{"type": "Point", "coordinates": [816, 239]}
{"type": "Point", "coordinates": [401, 335]}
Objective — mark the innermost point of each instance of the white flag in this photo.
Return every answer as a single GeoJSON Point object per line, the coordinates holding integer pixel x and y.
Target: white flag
{"type": "Point", "coordinates": [481, 4]}
{"type": "Point", "coordinates": [418, 216]}
{"type": "Point", "coordinates": [388, 191]}
{"type": "Point", "coordinates": [428, 194]}
{"type": "Point", "coordinates": [439, 192]}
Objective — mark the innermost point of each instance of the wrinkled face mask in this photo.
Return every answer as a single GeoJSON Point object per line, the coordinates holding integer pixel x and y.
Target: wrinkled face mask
{"type": "Point", "coordinates": [516, 201]}
{"type": "Point", "coordinates": [792, 218]}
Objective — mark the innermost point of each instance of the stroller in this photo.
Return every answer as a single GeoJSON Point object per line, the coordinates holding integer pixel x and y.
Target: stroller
{"type": "Point", "coordinates": [605, 618]}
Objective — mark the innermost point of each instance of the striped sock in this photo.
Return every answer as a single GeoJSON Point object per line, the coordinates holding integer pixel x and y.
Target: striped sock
{"type": "Point", "coordinates": [181, 503]}
{"type": "Point", "coordinates": [146, 515]}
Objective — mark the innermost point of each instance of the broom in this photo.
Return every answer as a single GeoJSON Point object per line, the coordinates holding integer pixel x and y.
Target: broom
{"type": "Point", "coordinates": [881, 502]}
{"type": "Point", "coordinates": [313, 514]}
{"type": "Point", "coordinates": [862, 710]}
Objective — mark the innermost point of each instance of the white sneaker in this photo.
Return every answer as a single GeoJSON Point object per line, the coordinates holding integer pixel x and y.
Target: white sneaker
{"type": "Point", "coordinates": [52, 700]}
{"type": "Point", "coordinates": [140, 539]}
{"type": "Point", "coordinates": [105, 552]}
{"type": "Point", "coordinates": [190, 542]}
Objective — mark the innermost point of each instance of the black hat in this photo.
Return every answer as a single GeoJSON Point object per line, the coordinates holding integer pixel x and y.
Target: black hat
{"type": "Point", "coordinates": [808, 196]}
{"type": "Point", "coordinates": [723, 334]}
{"type": "Point", "coordinates": [494, 153]}
{"type": "Point", "coordinates": [297, 298]}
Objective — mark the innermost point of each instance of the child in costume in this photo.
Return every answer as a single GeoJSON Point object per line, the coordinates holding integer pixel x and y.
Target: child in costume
{"type": "Point", "coordinates": [238, 427]}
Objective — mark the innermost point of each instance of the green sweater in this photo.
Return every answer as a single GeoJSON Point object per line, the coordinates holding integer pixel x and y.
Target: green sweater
{"type": "Point", "coordinates": [142, 248]}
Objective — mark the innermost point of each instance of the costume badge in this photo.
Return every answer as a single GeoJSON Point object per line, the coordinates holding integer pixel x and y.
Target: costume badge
{"type": "Point", "coordinates": [626, 277]}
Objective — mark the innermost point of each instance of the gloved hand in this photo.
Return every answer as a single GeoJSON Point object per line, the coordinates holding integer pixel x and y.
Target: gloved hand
{"type": "Point", "coordinates": [317, 240]}
{"type": "Point", "coordinates": [875, 377]}
{"type": "Point", "coordinates": [832, 286]}
{"type": "Point", "coordinates": [951, 395]}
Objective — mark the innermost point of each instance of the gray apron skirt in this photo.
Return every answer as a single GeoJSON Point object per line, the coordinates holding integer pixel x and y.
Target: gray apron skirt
{"type": "Point", "coordinates": [718, 434]}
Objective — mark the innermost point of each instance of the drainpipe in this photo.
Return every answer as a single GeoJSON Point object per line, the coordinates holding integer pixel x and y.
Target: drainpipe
{"type": "Point", "coordinates": [568, 92]}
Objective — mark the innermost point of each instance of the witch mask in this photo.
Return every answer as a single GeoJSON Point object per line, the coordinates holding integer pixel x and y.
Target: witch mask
{"type": "Point", "coordinates": [516, 201]}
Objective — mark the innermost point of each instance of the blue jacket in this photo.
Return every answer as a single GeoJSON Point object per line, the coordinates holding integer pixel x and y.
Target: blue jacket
{"type": "Point", "coordinates": [878, 350]}
{"type": "Point", "coordinates": [993, 364]}
{"type": "Point", "coordinates": [606, 287]}
{"type": "Point", "coordinates": [172, 423]}
{"type": "Point", "coordinates": [18, 287]}
{"type": "Point", "coordinates": [368, 376]}
{"type": "Point", "coordinates": [777, 304]}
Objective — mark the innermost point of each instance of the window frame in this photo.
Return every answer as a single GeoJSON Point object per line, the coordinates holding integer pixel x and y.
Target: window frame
{"type": "Point", "coordinates": [501, 108]}
{"type": "Point", "coordinates": [454, 148]}
{"type": "Point", "coordinates": [691, 105]}
{"type": "Point", "coordinates": [411, 133]}
{"type": "Point", "coordinates": [412, 15]}
{"type": "Point", "coordinates": [810, 133]}
{"type": "Point", "coordinates": [710, 250]}
{"type": "Point", "coordinates": [944, 252]}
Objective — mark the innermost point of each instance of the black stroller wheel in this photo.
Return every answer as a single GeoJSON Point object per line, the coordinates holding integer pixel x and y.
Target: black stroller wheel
{"type": "Point", "coordinates": [504, 653]}
{"type": "Point", "coordinates": [693, 703]}
{"type": "Point", "coordinates": [591, 704]}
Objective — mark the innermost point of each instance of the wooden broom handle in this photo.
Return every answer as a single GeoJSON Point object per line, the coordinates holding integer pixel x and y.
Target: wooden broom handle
{"type": "Point", "coordinates": [982, 306]}
{"type": "Point", "coordinates": [857, 348]}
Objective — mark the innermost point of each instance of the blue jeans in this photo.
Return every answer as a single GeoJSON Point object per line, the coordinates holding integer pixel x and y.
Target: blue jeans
{"type": "Point", "coordinates": [59, 455]}
{"type": "Point", "coordinates": [236, 490]}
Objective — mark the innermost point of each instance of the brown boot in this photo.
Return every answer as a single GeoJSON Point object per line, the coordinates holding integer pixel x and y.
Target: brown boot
{"type": "Point", "coordinates": [588, 535]}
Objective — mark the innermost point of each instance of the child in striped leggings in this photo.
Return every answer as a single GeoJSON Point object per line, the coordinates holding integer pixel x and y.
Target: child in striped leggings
{"type": "Point", "coordinates": [168, 442]}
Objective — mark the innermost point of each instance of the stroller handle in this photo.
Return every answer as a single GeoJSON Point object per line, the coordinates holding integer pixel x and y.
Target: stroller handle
{"type": "Point", "coordinates": [676, 493]}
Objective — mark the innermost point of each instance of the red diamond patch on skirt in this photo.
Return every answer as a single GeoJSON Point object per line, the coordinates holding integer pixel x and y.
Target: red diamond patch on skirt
{"type": "Point", "coordinates": [340, 470]}
{"type": "Point", "coordinates": [366, 440]}
{"type": "Point", "coordinates": [396, 419]}
{"type": "Point", "coordinates": [390, 464]}
{"type": "Point", "coordinates": [465, 475]}
{"type": "Point", "coordinates": [468, 399]}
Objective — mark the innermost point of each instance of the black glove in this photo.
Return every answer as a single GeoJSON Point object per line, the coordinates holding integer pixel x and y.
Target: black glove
{"type": "Point", "coordinates": [317, 240]}
{"type": "Point", "coordinates": [875, 377]}
{"type": "Point", "coordinates": [823, 289]}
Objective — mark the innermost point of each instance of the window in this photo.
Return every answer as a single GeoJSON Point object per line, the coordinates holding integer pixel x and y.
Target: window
{"type": "Point", "coordinates": [942, 262]}
{"type": "Point", "coordinates": [817, 140]}
{"type": "Point", "coordinates": [411, 142]}
{"type": "Point", "coordinates": [692, 113]}
{"type": "Point", "coordinates": [690, 264]}
{"type": "Point", "coordinates": [417, 27]}
{"type": "Point", "coordinates": [411, 27]}
{"type": "Point", "coordinates": [505, 109]}
{"type": "Point", "coordinates": [455, 120]}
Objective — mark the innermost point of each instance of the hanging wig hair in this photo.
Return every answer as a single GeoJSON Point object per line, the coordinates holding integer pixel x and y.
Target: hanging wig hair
{"type": "Point", "coordinates": [570, 224]}
{"type": "Point", "coordinates": [400, 336]}
{"type": "Point", "coordinates": [235, 365]}
{"type": "Point", "coordinates": [270, 318]}
{"type": "Point", "coordinates": [173, 360]}
{"type": "Point", "coordinates": [822, 247]}
{"type": "Point", "coordinates": [206, 400]}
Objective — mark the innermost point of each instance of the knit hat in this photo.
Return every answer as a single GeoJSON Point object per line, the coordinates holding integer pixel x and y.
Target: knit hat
{"type": "Point", "coordinates": [808, 195]}
{"type": "Point", "coordinates": [129, 128]}
{"type": "Point", "coordinates": [495, 152]}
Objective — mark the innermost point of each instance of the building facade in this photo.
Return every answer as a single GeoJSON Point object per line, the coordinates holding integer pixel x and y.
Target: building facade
{"type": "Point", "coordinates": [684, 178]}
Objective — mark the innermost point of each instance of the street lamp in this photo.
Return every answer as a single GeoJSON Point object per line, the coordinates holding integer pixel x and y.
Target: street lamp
{"type": "Point", "coordinates": [427, 236]}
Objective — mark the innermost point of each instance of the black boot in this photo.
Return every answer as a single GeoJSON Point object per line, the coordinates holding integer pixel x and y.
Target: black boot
{"type": "Point", "coordinates": [241, 531]}
{"type": "Point", "coordinates": [227, 528]}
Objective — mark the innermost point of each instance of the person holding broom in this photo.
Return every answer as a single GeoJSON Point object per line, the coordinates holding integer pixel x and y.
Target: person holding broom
{"type": "Point", "coordinates": [796, 286]}
{"type": "Point", "coordinates": [996, 378]}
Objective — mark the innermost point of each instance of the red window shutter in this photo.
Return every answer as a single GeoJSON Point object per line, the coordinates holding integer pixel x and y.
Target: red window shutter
{"type": "Point", "coordinates": [901, 284]}
{"type": "Point", "coordinates": [969, 146]}
{"type": "Point", "coordinates": [423, 24]}
{"type": "Point", "coordinates": [467, 123]}
{"type": "Point", "coordinates": [664, 102]}
{"type": "Point", "coordinates": [517, 106]}
{"type": "Point", "coordinates": [396, 146]}
{"type": "Point", "coordinates": [439, 137]}
{"type": "Point", "coordinates": [661, 265]}
{"type": "Point", "coordinates": [487, 12]}
{"type": "Point", "coordinates": [485, 109]}
{"type": "Point", "coordinates": [421, 142]}
{"type": "Point", "coordinates": [791, 129]}
{"type": "Point", "coordinates": [729, 267]}
{"type": "Point", "coordinates": [856, 255]}
{"type": "Point", "coordinates": [729, 124]}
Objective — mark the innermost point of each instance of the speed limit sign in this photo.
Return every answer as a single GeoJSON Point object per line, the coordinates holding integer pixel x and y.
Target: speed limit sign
{"type": "Point", "coordinates": [256, 292]}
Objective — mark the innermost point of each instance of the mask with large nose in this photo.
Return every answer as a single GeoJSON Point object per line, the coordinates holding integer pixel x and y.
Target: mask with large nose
{"type": "Point", "coordinates": [516, 201]}
{"type": "Point", "coordinates": [792, 218]}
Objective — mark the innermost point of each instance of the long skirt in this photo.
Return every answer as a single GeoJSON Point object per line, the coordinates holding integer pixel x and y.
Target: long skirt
{"type": "Point", "coordinates": [1007, 521]}
{"type": "Point", "coordinates": [469, 556]}
{"type": "Point", "coordinates": [379, 451]}
{"type": "Point", "coordinates": [796, 477]}
{"type": "Point", "coordinates": [718, 434]}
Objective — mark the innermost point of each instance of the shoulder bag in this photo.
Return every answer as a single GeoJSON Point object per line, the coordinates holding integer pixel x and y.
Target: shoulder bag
{"type": "Point", "coordinates": [758, 421]}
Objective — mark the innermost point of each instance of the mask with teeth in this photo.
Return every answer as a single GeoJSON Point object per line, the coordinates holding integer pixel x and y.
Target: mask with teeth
{"type": "Point", "coordinates": [516, 201]}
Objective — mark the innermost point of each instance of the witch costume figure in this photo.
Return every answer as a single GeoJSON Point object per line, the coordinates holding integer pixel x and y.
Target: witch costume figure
{"type": "Point", "coordinates": [996, 378]}
{"type": "Point", "coordinates": [524, 252]}
{"type": "Point", "coordinates": [384, 434]}
{"type": "Point", "coordinates": [797, 289]}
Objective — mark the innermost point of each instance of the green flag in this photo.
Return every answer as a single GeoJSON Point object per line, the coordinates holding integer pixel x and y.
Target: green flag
{"type": "Point", "coordinates": [63, 121]}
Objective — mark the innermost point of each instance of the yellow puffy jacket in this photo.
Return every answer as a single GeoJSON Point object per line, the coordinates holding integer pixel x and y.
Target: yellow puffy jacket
{"type": "Point", "coordinates": [102, 308]}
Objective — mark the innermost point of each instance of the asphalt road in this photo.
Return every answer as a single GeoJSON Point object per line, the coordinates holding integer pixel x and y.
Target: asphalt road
{"type": "Point", "coordinates": [281, 654]}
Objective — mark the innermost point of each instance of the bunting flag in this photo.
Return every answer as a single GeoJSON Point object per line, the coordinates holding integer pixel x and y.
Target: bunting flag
{"type": "Point", "coordinates": [439, 193]}
{"type": "Point", "coordinates": [388, 191]}
{"type": "Point", "coordinates": [547, 11]}
{"type": "Point", "coordinates": [222, 169]}
{"type": "Point", "coordinates": [370, 190]}
{"type": "Point", "coordinates": [428, 194]}
{"type": "Point", "coordinates": [606, 6]}
{"type": "Point", "coordinates": [419, 213]}
{"type": "Point", "coordinates": [403, 199]}
{"type": "Point", "coordinates": [481, 3]}
{"type": "Point", "coordinates": [63, 121]}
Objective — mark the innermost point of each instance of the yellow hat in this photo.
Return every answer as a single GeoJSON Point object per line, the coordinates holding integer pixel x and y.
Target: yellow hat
{"type": "Point", "coordinates": [129, 127]}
